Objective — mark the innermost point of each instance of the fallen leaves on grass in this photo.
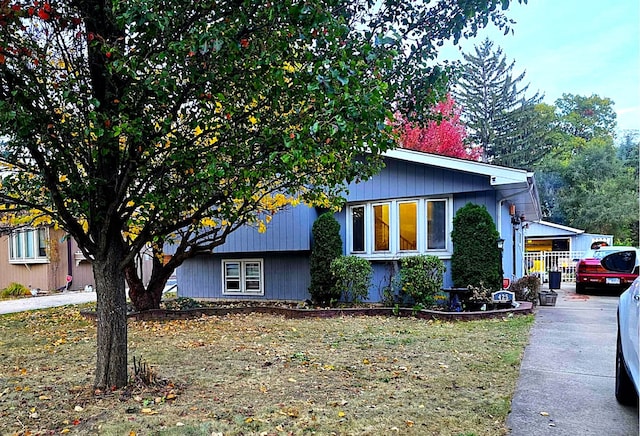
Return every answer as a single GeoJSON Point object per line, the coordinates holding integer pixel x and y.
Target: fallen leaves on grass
{"type": "Point", "coordinates": [253, 374]}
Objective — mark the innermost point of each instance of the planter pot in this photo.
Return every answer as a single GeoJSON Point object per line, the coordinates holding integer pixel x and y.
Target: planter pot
{"type": "Point", "coordinates": [548, 298]}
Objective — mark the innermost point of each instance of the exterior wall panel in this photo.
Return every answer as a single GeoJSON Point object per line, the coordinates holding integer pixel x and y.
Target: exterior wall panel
{"type": "Point", "coordinates": [289, 230]}
{"type": "Point", "coordinates": [286, 276]}
{"type": "Point", "coordinates": [404, 179]}
{"type": "Point", "coordinates": [285, 247]}
{"type": "Point", "coordinates": [37, 275]}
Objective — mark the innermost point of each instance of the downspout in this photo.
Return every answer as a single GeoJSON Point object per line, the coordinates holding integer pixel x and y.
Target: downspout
{"type": "Point", "coordinates": [69, 264]}
{"type": "Point", "coordinates": [499, 219]}
{"type": "Point", "coordinates": [514, 251]}
{"type": "Point", "coordinates": [499, 215]}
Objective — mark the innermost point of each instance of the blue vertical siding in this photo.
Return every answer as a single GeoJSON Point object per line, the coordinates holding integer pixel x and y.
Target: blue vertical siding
{"type": "Point", "coordinates": [286, 276]}
{"type": "Point", "coordinates": [401, 179]}
{"type": "Point", "coordinates": [483, 198]}
{"type": "Point", "coordinates": [285, 247]}
{"type": "Point", "coordinates": [384, 272]}
{"type": "Point", "coordinates": [289, 230]}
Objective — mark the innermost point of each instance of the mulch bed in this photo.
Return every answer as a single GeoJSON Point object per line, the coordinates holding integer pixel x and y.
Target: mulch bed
{"type": "Point", "coordinates": [292, 311]}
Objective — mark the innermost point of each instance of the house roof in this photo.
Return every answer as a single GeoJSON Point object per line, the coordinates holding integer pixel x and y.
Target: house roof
{"type": "Point", "coordinates": [560, 227]}
{"type": "Point", "coordinates": [514, 185]}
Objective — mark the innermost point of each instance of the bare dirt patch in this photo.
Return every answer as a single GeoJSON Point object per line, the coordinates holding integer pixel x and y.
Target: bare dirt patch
{"type": "Point", "coordinates": [264, 374]}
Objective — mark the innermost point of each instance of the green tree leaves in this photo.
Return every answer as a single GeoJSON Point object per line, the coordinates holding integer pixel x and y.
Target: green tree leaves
{"type": "Point", "coordinates": [143, 122]}
{"type": "Point", "coordinates": [584, 183]}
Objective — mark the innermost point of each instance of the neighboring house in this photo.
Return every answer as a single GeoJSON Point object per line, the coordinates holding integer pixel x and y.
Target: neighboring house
{"type": "Point", "coordinates": [47, 259]}
{"type": "Point", "coordinates": [554, 247]}
{"type": "Point", "coordinates": [546, 236]}
{"type": "Point", "coordinates": [406, 209]}
{"type": "Point", "coordinates": [43, 258]}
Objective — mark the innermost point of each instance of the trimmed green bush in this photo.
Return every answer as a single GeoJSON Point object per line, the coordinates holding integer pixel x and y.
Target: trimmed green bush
{"type": "Point", "coordinates": [353, 278]}
{"type": "Point", "coordinates": [421, 278]}
{"type": "Point", "coordinates": [327, 246]}
{"type": "Point", "coordinates": [526, 289]}
{"type": "Point", "coordinates": [14, 290]}
{"type": "Point", "coordinates": [476, 258]}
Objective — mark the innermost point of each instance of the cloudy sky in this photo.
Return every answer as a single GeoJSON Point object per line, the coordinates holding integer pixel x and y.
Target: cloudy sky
{"type": "Point", "coordinates": [580, 47]}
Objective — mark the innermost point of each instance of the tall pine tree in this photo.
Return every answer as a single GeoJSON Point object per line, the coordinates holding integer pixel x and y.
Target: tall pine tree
{"type": "Point", "coordinates": [500, 117]}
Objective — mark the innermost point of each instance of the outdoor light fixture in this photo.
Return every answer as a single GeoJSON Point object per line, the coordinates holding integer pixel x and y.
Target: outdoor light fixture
{"type": "Point", "coordinates": [517, 220]}
{"type": "Point", "coordinates": [500, 244]}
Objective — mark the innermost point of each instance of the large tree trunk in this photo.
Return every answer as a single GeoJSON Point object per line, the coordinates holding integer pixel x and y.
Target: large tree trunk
{"type": "Point", "coordinates": [149, 297]}
{"type": "Point", "coordinates": [111, 364]}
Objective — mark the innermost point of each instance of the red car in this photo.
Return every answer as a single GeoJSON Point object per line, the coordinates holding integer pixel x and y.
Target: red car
{"type": "Point", "coordinates": [591, 274]}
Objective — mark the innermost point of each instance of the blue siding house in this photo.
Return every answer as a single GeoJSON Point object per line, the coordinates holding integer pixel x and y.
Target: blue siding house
{"type": "Point", "coordinates": [406, 209]}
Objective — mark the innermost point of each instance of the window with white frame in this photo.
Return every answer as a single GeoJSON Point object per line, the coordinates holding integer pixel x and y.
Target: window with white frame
{"type": "Point", "coordinates": [28, 246]}
{"type": "Point", "coordinates": [399, 226]}
{"type": "Point", "coordinates": [242, 276]}
{"type": "Point", "coordinates": [436, 225]}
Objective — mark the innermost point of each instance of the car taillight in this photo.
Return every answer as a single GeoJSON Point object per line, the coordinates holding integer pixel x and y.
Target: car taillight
{"type": "Point", "coordinates": [590, 269]}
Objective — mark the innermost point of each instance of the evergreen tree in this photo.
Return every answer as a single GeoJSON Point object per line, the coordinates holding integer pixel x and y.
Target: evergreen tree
{"type": "Point", "coordinates": [327, 246]}
{"type": "Point", "coordinates": [500, 117]}
{"type": "Point", "coordinates": [476, 258]}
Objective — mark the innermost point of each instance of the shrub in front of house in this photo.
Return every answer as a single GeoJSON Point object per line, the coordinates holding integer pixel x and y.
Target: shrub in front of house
{"type": "Point", "coordinates": [327, 246]}
{"type": "Point", "coordinates": [14, 290]}
{"type": "Point", "coordinates": [476, 260]}
{"type": "Point", "coordinates": [421, 277]}
{"type": "Point", "coordinates": [353, 278]}
{"type": "Point", "coordinates": [526, 289]}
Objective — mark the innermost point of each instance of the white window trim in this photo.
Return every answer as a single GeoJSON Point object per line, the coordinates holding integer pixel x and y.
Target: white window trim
{"type": "Point", "coordinates": [448, 225]}
{"type": "Point", "coordinates": [242, 290]}
{"type": "Point", "coordinates": [394, 231]}
{"type": "Point", "coordinates": [37, 258]}
{"type": "Point", "coordinates": [419, 221]}
{"type": "Point", "coordinates": [371, 225]}
{"type": "Point", "coordinates": [350, 228]}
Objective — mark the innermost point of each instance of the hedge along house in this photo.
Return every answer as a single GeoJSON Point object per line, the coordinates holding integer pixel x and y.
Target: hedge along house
{"type": "Point", "coordinates": [406, 209]}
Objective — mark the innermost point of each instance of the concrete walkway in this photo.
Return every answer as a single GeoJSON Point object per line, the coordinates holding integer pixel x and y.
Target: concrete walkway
{"type": "Point", "coordinates": [41, 302]}
{"type": "Point", "coordinates": [567, 377]}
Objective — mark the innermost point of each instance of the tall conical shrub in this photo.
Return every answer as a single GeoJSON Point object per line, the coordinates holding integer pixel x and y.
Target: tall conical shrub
{"type": "Point", "coordinates": [476, 258]}
{"type": "Point", "coordinates": [327, 246]}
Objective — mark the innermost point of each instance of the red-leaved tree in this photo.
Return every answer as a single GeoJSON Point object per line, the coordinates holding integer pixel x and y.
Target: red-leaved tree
{"type": "Point", "coordinates": [443, 135]}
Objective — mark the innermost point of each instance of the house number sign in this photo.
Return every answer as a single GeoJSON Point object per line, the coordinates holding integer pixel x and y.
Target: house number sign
{"type": "Point", "coordinates": [502, 297]}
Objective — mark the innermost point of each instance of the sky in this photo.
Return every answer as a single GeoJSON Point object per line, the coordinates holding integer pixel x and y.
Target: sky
{"type": "Point", "coordinates": [580, 47]}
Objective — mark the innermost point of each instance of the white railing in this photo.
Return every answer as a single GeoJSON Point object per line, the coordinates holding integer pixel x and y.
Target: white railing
{"type": "Point", "coordinates": [541, 262]}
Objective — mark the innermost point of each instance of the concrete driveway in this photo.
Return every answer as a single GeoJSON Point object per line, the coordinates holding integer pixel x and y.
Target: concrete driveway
{"type": "Point", "coordinates": [567, 377]}
{"type": "Point", "coordinates": [41, 302]}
